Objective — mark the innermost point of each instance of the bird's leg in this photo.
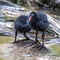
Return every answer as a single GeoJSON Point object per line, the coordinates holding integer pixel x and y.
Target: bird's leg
{"type": "Point", "coordinates": [43, 39]}
{"type": "Point", "coordinates": [36, 40]}
{"type": "Point", "coordinates": [15, 36]}
{"type": "Point", "coordinates": [26, 36]}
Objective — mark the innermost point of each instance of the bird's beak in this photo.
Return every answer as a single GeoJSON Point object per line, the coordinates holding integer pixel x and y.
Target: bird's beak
{"type": "Point", "coordinates": [30, 18]}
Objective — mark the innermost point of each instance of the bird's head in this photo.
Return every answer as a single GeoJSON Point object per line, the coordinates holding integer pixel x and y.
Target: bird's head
{"type": "Point", "coordinates": [32, 16]}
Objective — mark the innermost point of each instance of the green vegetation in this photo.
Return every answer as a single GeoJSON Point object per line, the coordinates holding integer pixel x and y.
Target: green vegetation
{"type": "Point", "coordinates": [6, 39]}
{"type": "Point", "coordinates": [20, 2]}
{"type": "Point", "coordinates": [56, 48]}
{"type": "Point", "coordinates": [1, 58]}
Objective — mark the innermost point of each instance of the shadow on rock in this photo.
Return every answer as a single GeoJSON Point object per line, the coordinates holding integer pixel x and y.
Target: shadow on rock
{"type": "Point", "coordinates": [23, 42]}
{"type": "Point", "coordinates": [34, 49]}
{"type": "Point", "coordinates": [40, 49]}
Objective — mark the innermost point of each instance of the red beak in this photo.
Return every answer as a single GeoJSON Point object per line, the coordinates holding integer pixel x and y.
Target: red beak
{"type": "Point", "coordinates": [30, 18]}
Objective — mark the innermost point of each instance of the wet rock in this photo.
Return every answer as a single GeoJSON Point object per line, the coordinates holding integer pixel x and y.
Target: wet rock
{"type": "Point", "coordinates": [54, 41]}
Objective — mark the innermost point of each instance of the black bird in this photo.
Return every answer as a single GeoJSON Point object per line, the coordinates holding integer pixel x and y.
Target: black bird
{"type": "Point", "coordinates": [39, 22]}
{"type": "Point", "coordinates": [21, 25]}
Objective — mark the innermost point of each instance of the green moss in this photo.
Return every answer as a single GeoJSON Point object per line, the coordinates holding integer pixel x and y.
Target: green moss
{"type": "Point", "coordinates": [1, 58]}
{"type": "Point", "coordinates": [56, 48]}
{"type": "Point", "coordinates": [6, 39]}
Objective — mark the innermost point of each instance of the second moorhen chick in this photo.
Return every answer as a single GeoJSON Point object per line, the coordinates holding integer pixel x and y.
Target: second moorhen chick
{"type": "Point", "coordinates": [21, 25]}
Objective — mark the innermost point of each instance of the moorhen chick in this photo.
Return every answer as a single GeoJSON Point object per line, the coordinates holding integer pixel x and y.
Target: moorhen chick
{"type": "Point", "coordinates": [21, 25]}
{"type": "Point", "coordinates": [39, 22]}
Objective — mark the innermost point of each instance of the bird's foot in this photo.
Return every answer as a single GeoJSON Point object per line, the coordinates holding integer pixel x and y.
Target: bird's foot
{"type": "Point", "coordinates": [42, 45]}
{"type": "Point", "coordinates": [28, 39]}
{"type": "Point", "coordinates": [35, 42]}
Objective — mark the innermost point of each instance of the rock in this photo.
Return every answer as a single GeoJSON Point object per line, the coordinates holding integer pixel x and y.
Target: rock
{"type": "Point", "coordinates": [54, 41]}
{"type": "Point", "coordinates": [9, 9]}
{"type": "Point", "coordinates": [54, 24]}
{"type": "Point", "coordinates": [12, 8]}
{"type": "Point", "coordinates": [10, 5]}
{"type": "Point", "coordinates": [6, 24]}
{"type": "Point", "coordinates": [1, 16]}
